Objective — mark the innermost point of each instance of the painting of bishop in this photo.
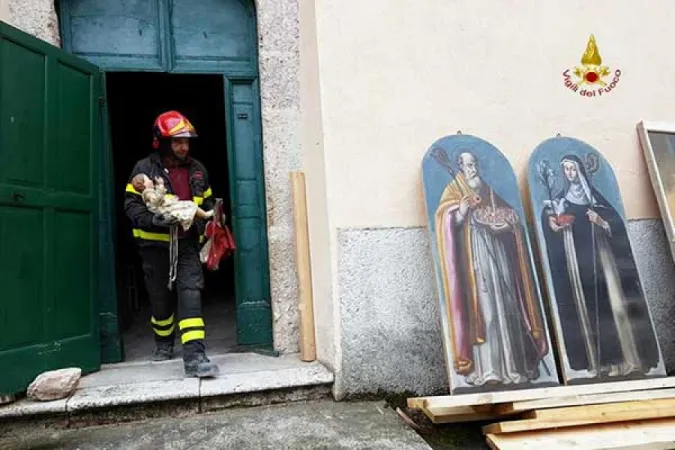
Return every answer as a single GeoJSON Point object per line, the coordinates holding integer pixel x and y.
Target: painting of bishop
{"type": "Point", "coordinates": [495, 329]}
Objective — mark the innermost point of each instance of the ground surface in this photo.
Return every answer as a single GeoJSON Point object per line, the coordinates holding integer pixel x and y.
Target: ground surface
{"type": "Point", "coordinates": [221, 331]}
{"type": "Point", "coordinates": [306, 426]}
{"type": "Point", "coordinates": [463, 436]}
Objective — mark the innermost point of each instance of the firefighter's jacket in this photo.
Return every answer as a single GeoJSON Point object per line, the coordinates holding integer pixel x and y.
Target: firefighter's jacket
{"type": "Point", "coordinates": [141, 218]}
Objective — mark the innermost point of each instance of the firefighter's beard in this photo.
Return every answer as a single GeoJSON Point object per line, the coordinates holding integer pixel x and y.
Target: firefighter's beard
{"type": "Point", "coordinates": [171, 158]}
{"type": "Point", "coordinates": [180, 154]}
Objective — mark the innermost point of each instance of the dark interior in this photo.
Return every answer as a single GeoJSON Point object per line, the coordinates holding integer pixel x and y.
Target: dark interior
{"type": "Point", "coordinates": [134, 101]}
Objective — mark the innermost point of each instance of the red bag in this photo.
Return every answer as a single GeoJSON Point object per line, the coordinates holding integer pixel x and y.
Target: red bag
{"type": "Point", "coordinates": [220, 242]}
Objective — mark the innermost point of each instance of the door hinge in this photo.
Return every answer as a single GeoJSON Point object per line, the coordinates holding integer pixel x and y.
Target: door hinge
{"type": "Point", "coordinates": [101, 101]}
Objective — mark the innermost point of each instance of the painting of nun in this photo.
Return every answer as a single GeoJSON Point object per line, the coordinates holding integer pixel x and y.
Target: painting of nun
{"type": "Point", "coordinates": [603, 324]}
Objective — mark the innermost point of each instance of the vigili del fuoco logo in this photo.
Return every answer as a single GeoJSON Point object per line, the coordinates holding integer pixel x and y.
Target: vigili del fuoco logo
{"type": "Point", "coordinates": [592, 79]}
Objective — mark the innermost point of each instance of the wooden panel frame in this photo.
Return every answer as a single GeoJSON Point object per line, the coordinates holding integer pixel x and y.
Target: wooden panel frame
{"type": "Point", "coordinates": [644, 128]}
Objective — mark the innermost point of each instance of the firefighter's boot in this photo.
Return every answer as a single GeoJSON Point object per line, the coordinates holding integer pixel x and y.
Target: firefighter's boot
{"type": "Point", "coordinates": [196, 363]}
{"type": "Point", "coordinates": [163, 351]}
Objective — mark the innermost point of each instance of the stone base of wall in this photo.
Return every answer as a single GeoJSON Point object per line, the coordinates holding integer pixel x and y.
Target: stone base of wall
{"type": "Point", "coordinates": [391, 333]}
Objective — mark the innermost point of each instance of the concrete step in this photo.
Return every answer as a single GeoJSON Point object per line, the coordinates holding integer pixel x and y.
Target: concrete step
{"type": "Point", "coordinates": [140, 390]}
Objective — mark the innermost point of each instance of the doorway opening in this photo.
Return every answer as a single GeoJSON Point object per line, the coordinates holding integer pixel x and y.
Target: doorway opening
{"type": "Point", "coordinates": [135, 99]}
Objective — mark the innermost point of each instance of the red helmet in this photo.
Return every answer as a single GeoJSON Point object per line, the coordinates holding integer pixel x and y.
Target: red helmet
{"type": "Point", "coordinates": [171, 124]}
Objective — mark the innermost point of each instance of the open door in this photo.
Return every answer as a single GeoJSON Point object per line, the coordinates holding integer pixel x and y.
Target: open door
{"type": "Point", "coordinates": [247, 190]}
{"type": "Point", "coordinates": [50, 125]}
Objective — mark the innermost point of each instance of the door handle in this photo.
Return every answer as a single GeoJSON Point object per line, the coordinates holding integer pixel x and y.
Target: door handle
{"type": "Point", "coordinates": [18, 197]}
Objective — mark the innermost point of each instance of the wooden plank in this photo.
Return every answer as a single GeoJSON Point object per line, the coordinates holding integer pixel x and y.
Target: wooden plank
{"type": "Point", "coordinates": [304, 272]}
{"type": "Point", "coordinates": [459, 414]}
{"type": "Point", "coordinates": [558, 391]}
{"type": "Point", "coordinates": [644, 435]}
{"type": "Point", "coordinates": [588, 414]}
{"type": "Point", "coordinates": [416, 402]}
{"type": "Point", "coordinates": [664, 407]}
{"type": "Point", "coordinates": [594, 399]}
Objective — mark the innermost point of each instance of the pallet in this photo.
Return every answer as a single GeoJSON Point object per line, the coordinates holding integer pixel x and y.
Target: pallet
{"type": "Point", "coordinates": [493, 398]}
{"type": "Point", "coordinates": [642, 435]}
{"type": "Point", "coordinates": [586, 415]}
{"type": "Point", "coordinates": [568, 416]}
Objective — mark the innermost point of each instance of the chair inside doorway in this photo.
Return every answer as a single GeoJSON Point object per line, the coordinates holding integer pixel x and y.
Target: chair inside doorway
{"type": "Point", "coordinates": [134, 100]}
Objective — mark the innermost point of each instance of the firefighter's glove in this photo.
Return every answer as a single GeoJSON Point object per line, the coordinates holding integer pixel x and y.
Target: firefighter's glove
{"type": "Point", "coordinates": [164, 221]}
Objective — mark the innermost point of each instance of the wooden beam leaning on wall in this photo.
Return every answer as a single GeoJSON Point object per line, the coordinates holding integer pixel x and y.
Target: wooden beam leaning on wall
{"type": "Point", "coordinates": [302, 260]}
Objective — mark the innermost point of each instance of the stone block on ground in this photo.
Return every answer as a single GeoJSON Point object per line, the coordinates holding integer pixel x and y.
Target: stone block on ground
{"type": "Point", "coordinates": [54, 385]}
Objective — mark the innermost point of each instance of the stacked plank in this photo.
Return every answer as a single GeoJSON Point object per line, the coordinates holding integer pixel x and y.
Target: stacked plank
{"type": "Point", "coordinates": [620, 415]}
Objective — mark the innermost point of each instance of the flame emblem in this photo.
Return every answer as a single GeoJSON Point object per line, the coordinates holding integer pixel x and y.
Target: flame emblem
{"type": "Point", "coordinates": [591, 71]}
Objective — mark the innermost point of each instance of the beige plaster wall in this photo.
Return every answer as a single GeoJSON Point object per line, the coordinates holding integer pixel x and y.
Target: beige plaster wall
{"type": "Point", "coordinates": [326, 312]}
{"type": "Point", "coordinates": [4, 11]}
{"type": "Point", "coordinates": [398, 74]}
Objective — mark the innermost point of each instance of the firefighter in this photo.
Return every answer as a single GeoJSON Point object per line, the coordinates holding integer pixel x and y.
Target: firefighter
{"type": "Point", "coordinates": [186, 178]}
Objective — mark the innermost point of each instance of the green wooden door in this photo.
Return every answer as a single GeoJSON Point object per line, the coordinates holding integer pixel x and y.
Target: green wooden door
{"type": "Point", "coordinates": [247, 189]}
{"type": "Point", "coordinates": [49, 133]}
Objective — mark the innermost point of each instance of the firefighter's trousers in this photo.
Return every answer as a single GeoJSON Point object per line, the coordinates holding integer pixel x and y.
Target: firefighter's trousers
{"type": "Point", "coordinates": [180, 309]}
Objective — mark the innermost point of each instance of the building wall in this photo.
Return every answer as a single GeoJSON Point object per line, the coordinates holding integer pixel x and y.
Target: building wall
{"type": "Point", "coordinates": [326, 312]}
{"type": "Point", "coordinates": [279, 55]}
{"type": "Point", "coordinates": [356, 99]}
{"type": "Point", "coordinates": [395, 75]}
{"type": "Point", "coordinates": [36, 17]}
{"type": "Point", "coordinates": [4, 11]}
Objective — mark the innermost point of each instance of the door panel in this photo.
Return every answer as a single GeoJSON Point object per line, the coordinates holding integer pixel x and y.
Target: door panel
{"type": "Point", "coordinates": [213, 35]}
{"type": "Point", "coordinates": [114, 33]}
{"type": "Point", "coordinates": [70, 171]}
{"type": "Point", "coordinates": [49, 123]}
{"type": "Point", "coordinates": [27, 111]}
{"type": "Point", "coordinates": [216, 36]}
{"type": "Point", "coordinates": [21, 263]}
{"type": "Point", "coordinates": [112, 350]}
{"type": "Point", "coordinates": [72, 250]}
{"type": "Point", "coordinates": [254, 312]}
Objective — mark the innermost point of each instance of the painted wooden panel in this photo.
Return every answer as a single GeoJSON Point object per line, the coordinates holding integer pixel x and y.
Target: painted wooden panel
{"type": "Point", "coordinates": [603, 326]}
{"type": "Point", "coordinates": [213, 34]}
{"type": "Point", "coordinates": [125, 33]}
{"type": "Point", "coordinates": [495, 334]}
